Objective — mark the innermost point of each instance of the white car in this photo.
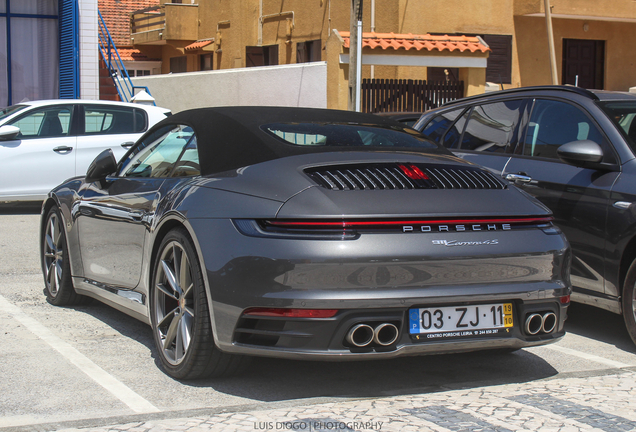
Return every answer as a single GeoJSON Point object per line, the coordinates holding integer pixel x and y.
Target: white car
{"type": "Point", "coordinates": [43, 143]}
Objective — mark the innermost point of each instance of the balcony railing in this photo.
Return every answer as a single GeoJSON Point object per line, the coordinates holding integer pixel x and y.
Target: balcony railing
{"type": "Point", "coordinates": [151, 18]}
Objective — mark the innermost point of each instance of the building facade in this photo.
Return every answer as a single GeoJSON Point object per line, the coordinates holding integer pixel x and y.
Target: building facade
{"type": "Point", "coordinates": [48, 50]}
{"type": "Point", "coordinates": [591, 37]}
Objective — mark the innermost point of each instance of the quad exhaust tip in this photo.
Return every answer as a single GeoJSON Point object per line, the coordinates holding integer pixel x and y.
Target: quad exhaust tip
{"type": "Point", "coordinates": [537, 323]}
{"type": "Point", "coordinates": [361, 335]}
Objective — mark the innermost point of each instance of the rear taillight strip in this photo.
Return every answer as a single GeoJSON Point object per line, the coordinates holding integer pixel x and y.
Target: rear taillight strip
{"type": "Point", "coordinates": [399, 223]}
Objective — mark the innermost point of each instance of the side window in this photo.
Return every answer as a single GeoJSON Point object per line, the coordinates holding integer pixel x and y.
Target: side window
{"type": "Point", "coordinates": [491, 126]}
{"type": "Point", "coordinates": [553, 123]}
{"type": "Point", "coordinates": [104, 119]}
{"type": "Point", "coordinates": [436, 128]}
{"type": "Point", "coordinates": [45, 122]}
{"type": "Point", "coordinates": [169, 152]}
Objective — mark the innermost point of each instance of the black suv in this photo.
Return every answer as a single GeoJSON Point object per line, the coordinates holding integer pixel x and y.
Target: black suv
{"type": "Point", "coordinates": [574, 150]}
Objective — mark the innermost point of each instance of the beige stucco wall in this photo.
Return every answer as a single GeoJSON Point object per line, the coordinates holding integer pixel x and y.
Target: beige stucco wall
{"type": "Point", "coordinates": [532, 40]}
{"type": "Point", "coordinates": [597, 8]}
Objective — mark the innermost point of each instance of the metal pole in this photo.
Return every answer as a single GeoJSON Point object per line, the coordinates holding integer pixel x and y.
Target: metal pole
{"type": "Point", "coordinates": [548, 21]}
{"type": "Point", "coordinates": [358, 66]}
{"type": "Point", "coordinates": [356, 15]}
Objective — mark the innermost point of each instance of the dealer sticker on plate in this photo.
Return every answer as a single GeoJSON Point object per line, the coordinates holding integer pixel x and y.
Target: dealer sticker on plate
{"type": "Point", "coordinates": [457, 321]}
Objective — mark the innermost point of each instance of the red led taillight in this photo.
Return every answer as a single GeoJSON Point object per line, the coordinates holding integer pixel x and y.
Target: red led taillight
{"type": "Point", "coordinates": [565, 299]}
{"type": "Point", "coordinates": [291, 313]}
{"type": "Point", "coordinates": [399, 223]}
{"type": "Point", "coordinates": [413, 172]}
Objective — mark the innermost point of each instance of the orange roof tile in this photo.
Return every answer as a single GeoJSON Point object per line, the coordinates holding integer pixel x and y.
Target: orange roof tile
{"type": "Point", "coordinates": [131, 54]}
{"type": "Point", "coordinates": [199, 44]}
{"type": "Point", "coordinates": [116, 14]}
{"type": "Point", "coordinates": [419, 42]}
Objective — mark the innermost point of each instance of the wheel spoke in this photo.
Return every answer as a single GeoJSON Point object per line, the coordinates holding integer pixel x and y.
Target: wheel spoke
{"type": "Point", "coordinates": [58, 269]}
{"type": "Point", "coordinates": [185, 326]}
{"type": "Point", "coordinates": [179, 350]}
{"type": "Point", "coordinates": [52, 232]}
{"type": "Point", "coordinates": [161, 287]}
{"type": "Point", "coordinates": [170, 277]}
{"type": "Point", "coordinates": [50, 244]}
{"type": "Point", "coordinates": [184, 273]}
{"type": "Point", "coordinates": [52, 279]}
{"type": "Point", "coordinates": [172, 332]}
{"type": "Point", "coordinates": [167, 319]}
{"type": "Point", "coordinates": [189, 311]}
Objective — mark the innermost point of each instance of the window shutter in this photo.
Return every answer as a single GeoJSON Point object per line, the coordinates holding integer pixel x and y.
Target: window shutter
{"type": "Point", "coordinates": [499, 69]}
{"type": "Point", "coordinates": [69, 49]}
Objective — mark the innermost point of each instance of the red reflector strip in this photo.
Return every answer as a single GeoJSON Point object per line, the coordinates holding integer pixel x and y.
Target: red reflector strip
{"type": "Point", "coordinates": [399, 223]}
{"type": "Point", "coordinates": [291, 313]}
{"type": "Point", "coordinates": [565, 299]}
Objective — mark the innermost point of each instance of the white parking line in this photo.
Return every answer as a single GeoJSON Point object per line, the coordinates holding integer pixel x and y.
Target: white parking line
{"type": "Point", "coordinates": [96, 373]}
{"type": "Point", "coordinates": [587, 356]}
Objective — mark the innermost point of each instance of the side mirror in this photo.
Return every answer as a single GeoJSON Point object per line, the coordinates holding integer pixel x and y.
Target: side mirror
{"type": "Point", "coordinates": [583, 153]}
{"type": "Point", "coordinates": [8, 132]}
{"type": "Point", "coordinates": [103, 165]}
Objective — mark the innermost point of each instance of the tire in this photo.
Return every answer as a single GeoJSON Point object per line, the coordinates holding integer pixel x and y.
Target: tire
{"type": "Point", "coordinates": [180, 317]}
{"type": "Point", "coordinates": [629, 301]}
{"type": "Point", "coordinates": [55, 263]}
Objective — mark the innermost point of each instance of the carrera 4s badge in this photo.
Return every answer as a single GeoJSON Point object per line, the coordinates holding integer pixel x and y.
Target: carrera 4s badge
{"type": "Point", "coordinates": [450, 243]}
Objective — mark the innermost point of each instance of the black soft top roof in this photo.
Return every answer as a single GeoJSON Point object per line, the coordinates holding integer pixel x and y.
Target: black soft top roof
{"type": "Point", "coordinates": [231, 137]}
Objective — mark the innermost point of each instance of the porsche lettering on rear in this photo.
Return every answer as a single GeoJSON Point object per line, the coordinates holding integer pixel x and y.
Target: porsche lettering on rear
{"type": "Point", "coordinates": [456, 228]}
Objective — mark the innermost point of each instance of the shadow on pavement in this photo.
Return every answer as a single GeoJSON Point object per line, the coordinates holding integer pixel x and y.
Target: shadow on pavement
{"type": "Point", "coordinates": [269, 379]}
{"type": "Point", "coordinates": [600, 325]}
{"type": "Point", "coordinates": [14, 208]}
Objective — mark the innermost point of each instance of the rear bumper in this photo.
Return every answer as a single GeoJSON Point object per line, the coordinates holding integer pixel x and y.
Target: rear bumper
{"type": "Point", "coordinates": [375, 279]}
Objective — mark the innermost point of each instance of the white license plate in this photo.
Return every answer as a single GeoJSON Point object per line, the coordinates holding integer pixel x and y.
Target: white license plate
{"type": "Point", "coordinates": [471, 320]}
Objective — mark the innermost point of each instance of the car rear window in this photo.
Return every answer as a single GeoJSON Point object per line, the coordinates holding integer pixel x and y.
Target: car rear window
{"type": "Point", "coordinates": [110, 119]}
{"type": "Point", "coordinates": [347, 135]}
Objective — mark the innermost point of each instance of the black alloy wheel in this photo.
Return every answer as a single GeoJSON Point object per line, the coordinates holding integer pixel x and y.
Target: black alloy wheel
{"type": "Point", "coordinates": [55, 263]}
{"type": "Point", "coordinates": [180, 315]}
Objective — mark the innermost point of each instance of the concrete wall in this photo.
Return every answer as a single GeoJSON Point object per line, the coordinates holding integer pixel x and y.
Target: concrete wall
{"type": "Point", "coordinates": [300, 85]}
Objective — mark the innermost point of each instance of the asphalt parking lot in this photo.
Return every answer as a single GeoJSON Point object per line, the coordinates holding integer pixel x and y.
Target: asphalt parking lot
{"type": "Point", "coordinates": [92, 365]}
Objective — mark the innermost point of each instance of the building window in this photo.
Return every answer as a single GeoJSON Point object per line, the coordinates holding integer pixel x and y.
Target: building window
{"type": "Point", "coordinates": [261, 56]}
{"type": "Point", "coordinates": [206, 62]}
{"type": "Point", "coordinates": [308, 51]}
{"type": "Point", "coordinates": [179, 64]}
{"type": "Point", "coordinates": [29, 51]}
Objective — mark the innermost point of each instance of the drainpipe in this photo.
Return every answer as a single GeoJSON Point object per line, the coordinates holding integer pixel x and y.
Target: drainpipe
{"type": "Point", "coordinates": [359, 66]}
{"type": "Point", "coordinates": [260, 23]}
{"type": "Point", "coordinates": [372, 31]}
{"type": "Point", "coordinates": [548, 21]}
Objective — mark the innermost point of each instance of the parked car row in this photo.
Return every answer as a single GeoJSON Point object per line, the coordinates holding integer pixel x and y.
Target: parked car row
{"type": "Point", "coordinates": [319, 234]}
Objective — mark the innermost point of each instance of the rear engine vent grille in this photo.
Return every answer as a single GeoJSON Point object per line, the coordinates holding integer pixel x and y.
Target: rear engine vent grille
{"type": "Point", "coordinates": [403, 176]}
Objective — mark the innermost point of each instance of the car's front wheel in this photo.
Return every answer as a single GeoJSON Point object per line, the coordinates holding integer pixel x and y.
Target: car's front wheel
{"type": "Point", "coordinates": [629, 301]}
{"type": "Point", "coordinates": [180, 315]}
{"type": "Point", "coordinates": [55, 263]}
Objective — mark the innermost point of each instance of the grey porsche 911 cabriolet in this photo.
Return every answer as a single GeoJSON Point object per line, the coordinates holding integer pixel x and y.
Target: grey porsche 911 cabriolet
{"type": "Point", "coordinates": [306, 234]}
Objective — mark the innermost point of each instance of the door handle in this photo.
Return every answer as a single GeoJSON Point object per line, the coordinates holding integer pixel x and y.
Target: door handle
{"type": "Point", "coordinates": [61, 149]}
{"type": "Point", "coordinates": [520, 178]}
{"type": "Point", "coordinates": [128, 144]}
